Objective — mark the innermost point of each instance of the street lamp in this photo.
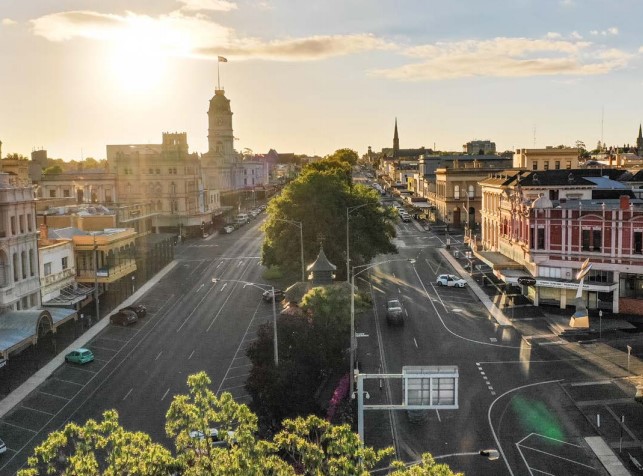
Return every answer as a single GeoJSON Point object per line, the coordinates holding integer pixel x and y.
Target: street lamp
{"type": "Point", "coordinates": [348, 260]}
{"type": "Point", "coordinates": [133, 284]}
{"type": "Point", "coordinates": [301, 243]}
{"type": "Point", "coordinates": [600, 324]}
{"type": "Point", "coordinates": [353, 346]}
{"type": "Point", "coordinates": [263, 287]}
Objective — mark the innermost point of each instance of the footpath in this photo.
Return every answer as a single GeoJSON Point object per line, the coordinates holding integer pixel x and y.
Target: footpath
{"type": "Point", "coordinates": [603, 345]}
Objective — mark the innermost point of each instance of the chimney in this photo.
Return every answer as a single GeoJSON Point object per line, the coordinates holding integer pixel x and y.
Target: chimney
{"type": "Point", "coordinates": [44, 236]}
{"type": "Point", "coordinates": [625, 202]}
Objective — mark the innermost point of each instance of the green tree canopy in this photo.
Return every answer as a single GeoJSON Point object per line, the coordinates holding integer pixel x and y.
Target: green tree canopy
{"type": "Point", "coordinates": [15, 156]}
{"type": "Point", "coordinates": [319, 198]}
{"type": "Point", "coordinates": [345, 155]}
{"type": "Point", "coordinates": [53, 169]}
{"type": "Point", "coordinates": [308, 446]}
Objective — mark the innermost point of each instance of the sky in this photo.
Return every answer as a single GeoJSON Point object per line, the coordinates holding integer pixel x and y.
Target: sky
{"type": "Point", "coordinates": [314, 76]}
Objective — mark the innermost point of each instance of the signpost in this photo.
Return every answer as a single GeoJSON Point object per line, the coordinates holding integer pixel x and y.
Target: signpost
{"type": "Point", "coordinates": [629, 352]}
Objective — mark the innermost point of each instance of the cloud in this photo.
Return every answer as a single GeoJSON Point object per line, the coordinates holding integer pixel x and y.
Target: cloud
{"type": "Point", "coordinates": [8, 22]}
{"type": "Point", "coordinates": [507, 57]}
{"type": "Point", "coordinates": [567, 3]}
{"type": "Point", "coordinates": [211, 5]}
{"type": "Point", "coordinates": [181, 34]}
{"type": "Point", "coordinates": [612, 31]}
{"type": "Point", "coordinates": [553, 35]}
{"type": "Point", "coordinates": [575, 35]}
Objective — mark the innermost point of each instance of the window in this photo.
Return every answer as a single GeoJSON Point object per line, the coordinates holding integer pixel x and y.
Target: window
{"type": "Point", "coordinates": [456, 191]}
{"type": "Point", "coordinates": [29, 227]}
{"type": "Point", "coordinates": [23, 260]}
{"type": "Point", "coordinates": [557, 165]}
{"type": "Point", "coordinates": [52, 194]}
{"type": "Point", "coordinates": [638, 242]}
{"type": "Point", "coordinates": [600, 276]}
{"type": "Point", "coordinates": [66, 193]}
{"type": "Point", "coordinates": [13, 225]}
{"type": "Point", "coordinates": [631, 285]}
{"type": "Point", "coordinates": [158, 171]}
{"type": "Point", "coordinates": [47, 269]}
{"type": "Point", "coordinates": [546, 165]}
{"type": "Point", "coordinates": [585, 243]}
{"type": "Point", "coordinates": [569, 165]}
{"type": "Point", "coordinates": [32, 264]}
{"type": "Point", "coordinates": [553, 194]}
{"type": "Point", "coordinates": [21, 220]}
{"type": "Point", "coordinates": [597, 236]}
{"type": "Point", "coordinates": [15, 267]}
{"type": "Point", "coordinates": [534, 165]}
{"type": "Point", "coordinates": [472, 191]}
{"type": "Point", "coordinates": [65, 262]}
{"type": "Point", "coordinates": [541, 238]}
{"type": "Point", "coordinates": [151, 171]}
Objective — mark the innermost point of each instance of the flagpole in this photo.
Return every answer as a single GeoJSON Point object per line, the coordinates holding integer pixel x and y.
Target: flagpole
{"type": "Point", "coordinates": [218, 75]}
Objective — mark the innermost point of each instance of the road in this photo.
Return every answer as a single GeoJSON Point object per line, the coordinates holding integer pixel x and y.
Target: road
{"type": "Point", "coordinates": [192, 325]}
{"type": "Point", "coordinates": [512, 395]}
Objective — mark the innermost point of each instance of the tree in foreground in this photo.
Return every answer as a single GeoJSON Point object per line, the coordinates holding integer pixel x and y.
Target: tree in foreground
{"type": "Point", "coordinates": [304, 446]}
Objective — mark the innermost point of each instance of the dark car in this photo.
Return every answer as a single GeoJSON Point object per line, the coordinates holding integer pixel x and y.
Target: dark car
{"type": "Point", "coordinates": [124, 318]}
{"type": "Point", "coordinates": [279, 295]}
{"type": "Point", "coordinates": [394, 312]}
{"type": "Point", "coordinates": [139, 309]}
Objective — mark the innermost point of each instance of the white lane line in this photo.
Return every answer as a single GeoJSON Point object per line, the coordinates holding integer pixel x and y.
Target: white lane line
{"type": "Point", "coordinates": [93, 346]}
{"type": "Point", "coordinates": [225, 389]}
{"type": "Point", "coordinates": [523, 459]}
{"type": "Point", "coordinates": [36, 410]}
{"type": "Point", "coordinates": [585, 384]}
{"type": "Point", "coordinates": [416, 343]}
{"type": "Point", "coordinates": [159, 354]}
{"type": "Point", "coordinates": [200, 287]}
{"type": "Point", "coordinates": [52, 395]}
{"type": "Point", "coordinates": [557, 456]}
{"type": "Point", "coordinates": [69, 381]}
{"type": "Point", "coordinates": [84, 370]}
{"type": "Point", "coordinates": [493, 431]}
{"type": "Point", "coordinates": [165, 394]}
{"type": "Point", "coordinates": [127, 394]}
{"type": "Point", "coordinates": [241, 366]}
{"type": "Point", "coordinates": [223, 286]}
{"type": "Point", "coordinates": [4, 422]}
{"type": "Point", "coordinates": [191, 355]}
{"type": "Point", "coordinates": [237, 376]}
{"type": "Point", "coordinates": [543, 472]}
{"type": "Point", "coordinates": [438, 414]}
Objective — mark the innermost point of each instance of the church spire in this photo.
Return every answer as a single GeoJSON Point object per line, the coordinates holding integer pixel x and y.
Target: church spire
{"type": "Point", "coordinates": [396, 139]}
{"type": "Point", "coordinates": [640, 132]}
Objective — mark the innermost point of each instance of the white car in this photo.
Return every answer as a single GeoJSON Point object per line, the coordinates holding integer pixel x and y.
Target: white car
{"type": "Point", "coordinates": [3, 447]}
{"type": "Point", "coordinates": [228, 229]}
{"type": "Point", "coordinates": [450, 280]}
{"type": "Point", "coordinates": [214, 437]}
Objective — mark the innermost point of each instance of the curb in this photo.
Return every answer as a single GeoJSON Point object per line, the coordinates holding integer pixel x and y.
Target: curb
{"type": "Point", "coordinates": [15, 397]}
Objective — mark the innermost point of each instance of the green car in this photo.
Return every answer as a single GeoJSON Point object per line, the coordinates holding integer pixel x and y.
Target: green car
{"type": "Point", "coordinates": [80, 356]}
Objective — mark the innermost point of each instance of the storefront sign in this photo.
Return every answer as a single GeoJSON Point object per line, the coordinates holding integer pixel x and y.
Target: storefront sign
{"type": "Point", "coordinates": [526, 281]}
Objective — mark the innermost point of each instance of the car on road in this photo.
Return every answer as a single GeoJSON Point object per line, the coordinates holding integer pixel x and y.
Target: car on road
{"type": "Point", "coordinates": [123, 317]}
{"type": "Point", "coordinates": [394, 312]}
{"type": "Point", "coordinates": [228, 229]}
{"type": "Point", "coordinates": [405, 217]}
{"type": "Point", "coordinates": [139, 309]}
{"type": "Point", "coordinates": [450, 280]}
{"type": "Point", "coordinates": [80, 356]}
{"type": "Point", "coordinates": [3, 447]}
{"type": "Point", "coordinates": [279, 295]}
{"type": "Point", "coordinates": [215, 437]}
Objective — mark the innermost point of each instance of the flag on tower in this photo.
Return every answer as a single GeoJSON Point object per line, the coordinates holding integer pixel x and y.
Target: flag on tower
{"type": "Point", "coordinates": [222, 59]}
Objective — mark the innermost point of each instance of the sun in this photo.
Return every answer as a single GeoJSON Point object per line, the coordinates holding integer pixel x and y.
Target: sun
{"type": "Point", "coordinates": [139, 61]}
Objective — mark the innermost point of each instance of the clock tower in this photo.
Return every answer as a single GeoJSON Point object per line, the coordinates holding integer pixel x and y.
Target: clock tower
{"type": "Point", "coordinates": [220, 135]}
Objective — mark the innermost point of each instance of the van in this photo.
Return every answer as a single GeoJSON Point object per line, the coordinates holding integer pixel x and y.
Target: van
{"type": "Point", "coordinates": [242, 219]}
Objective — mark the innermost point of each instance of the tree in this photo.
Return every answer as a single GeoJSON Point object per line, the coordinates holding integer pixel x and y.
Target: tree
{"type": "Point", "coordinates": [52, 170]}
{"type": "Point", "coordinates": [15, 156]}
{"type": "Point", "coordinates": [345, 155]}
{"type": "Point", "coordinates": [99, 448]}
{"type": "Point", "coordinates": [309, 446]}
{"type": "Point", "coordinates": [318, 198]}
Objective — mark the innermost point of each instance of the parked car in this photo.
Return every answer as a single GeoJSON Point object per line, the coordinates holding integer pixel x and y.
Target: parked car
{"type": "Point", "coordinates": [450, 280]}
{"type": "Point", "coordinates": [139, 309]}
{"type": "Point", "coordinates": [394, 312]}
{"type": "Point", "coordinates": [3, 447]}
{"type": "Point", "coordinates": [215, 437]}
{"type": "Point", "coordinates": [279, 295]}
{"type": "Point", "coordinates": [405, 217]}
{"type": "Point", "coordinates": [80, 356]}
{"type": "Point", "coordinates": [124, 317]}
{"type": "Point", "coordinates": [228, 229]}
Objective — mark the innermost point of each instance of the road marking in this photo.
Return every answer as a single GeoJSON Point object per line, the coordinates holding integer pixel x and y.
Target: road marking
{"type": "Point", "coordinates": [493, 339]}
{"type": "Point", "coordinates": [36, 410]}
{"type": "Point", "coordinates": [191, 355]}
{"type": "Point", "coordinates": [557, 456]}
{"type": "Point", "coordinates": [200, 287]}
{"type": "Point", "coordinates": [165, 394]}
{"type": "Point", "coordinates": [103, 348]}
{"type": "Point", "coordinates": [585, 384]}
{"type": "Point", "coordinates": [127, 394]}
{"type": "Point", "coordinates": [416, 343]}
{"type": "Point", "coordinates": [52, 395]}
{"type": "Point", "coordinates": [83, 370]}
{"type": "Point", "coordinates": [241, 366]}
{"type": "Point", "coordinates": [157, 357]}
{"type": "Point", "coordinates": [223, 286]}
{"type": "Point", "coordinates": [18, 426]}
{"type": "Point", "coordinates": [438, 414]}
{"type": "Point", "coordinates": [69, 381]}
{"type": "Point", "coordinates": [225, 389]}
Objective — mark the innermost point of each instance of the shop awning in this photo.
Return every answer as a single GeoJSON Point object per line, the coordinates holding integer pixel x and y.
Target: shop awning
{"type": "Point", "coordinates": [21, 328]}
{"type": "Point", "coordinates": [60, 315]}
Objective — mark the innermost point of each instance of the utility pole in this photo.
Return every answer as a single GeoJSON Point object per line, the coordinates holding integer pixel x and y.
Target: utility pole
{"type": "Point", "coordinates": [96, 280]}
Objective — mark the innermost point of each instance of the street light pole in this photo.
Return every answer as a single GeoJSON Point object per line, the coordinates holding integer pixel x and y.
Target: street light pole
{"type": "Point", "coordinates": [353, 342]}
{"type": "Point", "coordinates": [96, 280]}
{"type": "Point", "coordinates": [348, 241]}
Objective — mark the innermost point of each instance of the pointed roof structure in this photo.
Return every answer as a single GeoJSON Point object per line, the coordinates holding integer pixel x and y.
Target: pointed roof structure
{"type": "Point", "coordinates": [396, 139]}
{"type": "Point", "coordinates": [322, 270]}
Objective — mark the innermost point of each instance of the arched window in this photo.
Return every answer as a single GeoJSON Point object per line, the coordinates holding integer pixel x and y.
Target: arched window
{"type": "Point", "coordinates": [32, 264]}
{"type": "Point", "coordinates": [173, 188]}
{"type": "Point", "coordinates": [472, 191]}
